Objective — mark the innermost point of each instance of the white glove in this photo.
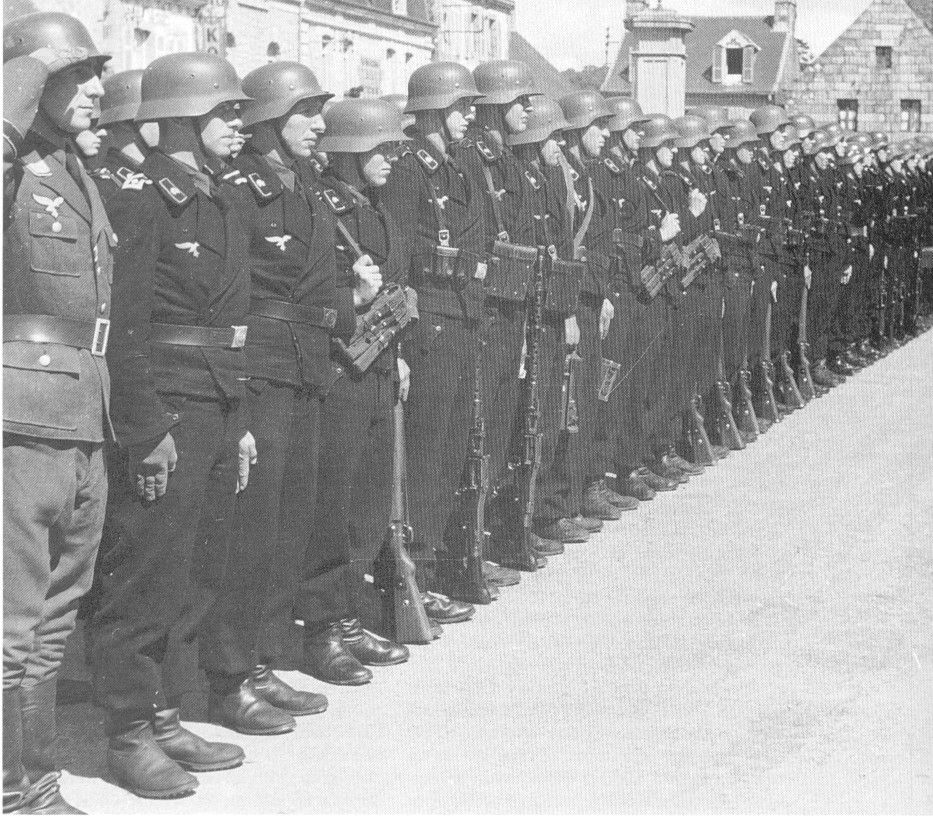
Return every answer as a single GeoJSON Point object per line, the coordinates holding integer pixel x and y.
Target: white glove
{"type": "Point", "coordinates": [404, 379]}
{"type": "Point", "coordinates": [846, 275]}
{"type": "Point", "coordinates": [697, 202]}
{"type": "Point", "coordinates": [571, 331]}
{"type": "Point", "coordinates": [248, 457]}
{"type": "Point", "coordinates": [606, 315]}
{"type": "Point", "coordinates": [670, 227]}
{"type": "Point", "coordinates": [774, 288]}
{"type": "Point", "coordinates": [807, 276]}
{"type": "Point", "coordinates": [871, 252]}
{"type": "Point", "coordinates": [370, 279]}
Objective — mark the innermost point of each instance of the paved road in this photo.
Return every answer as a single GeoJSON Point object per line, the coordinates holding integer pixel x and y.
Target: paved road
{"type": "Point", "coordinates": [760, 640]}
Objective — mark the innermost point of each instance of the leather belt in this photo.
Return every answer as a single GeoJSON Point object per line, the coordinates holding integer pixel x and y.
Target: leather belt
{"type": "Point", "coordinates": [187, 335]}
{"type": "Point", "coordinates": [51, 329]}
{"type": "Point", "coordinates": [323, 317]}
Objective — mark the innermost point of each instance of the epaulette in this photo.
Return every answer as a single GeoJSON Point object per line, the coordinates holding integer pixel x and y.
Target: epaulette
{"type": "Point", "coordinates": [261, 187]}
{"type": "Point", "coordinates": [485, 151]}
{"type": "Point", "coordinates": [428, 161]}
{"type": "Point", "coordinates": [175, 194]}
{"type": "Point", "coordinates": [335, 202]}
{"type": "Point", "coordinates": [611, 165]}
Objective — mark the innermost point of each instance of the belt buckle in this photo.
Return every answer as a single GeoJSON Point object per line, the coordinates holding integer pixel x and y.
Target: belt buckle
{"type": "Point", "coordinates": [101, 337]}
{"type": "Point", "coordinates": [239, 336]}
{"type": "Point", "coordinates": [330, 318]}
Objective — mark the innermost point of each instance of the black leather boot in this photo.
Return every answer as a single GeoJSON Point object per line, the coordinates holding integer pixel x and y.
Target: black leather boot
{"type": "Point", "coordinates": [635, 485]}
{"type": "Point", "coordinates": [193, 752]}
{"type": "Point", "coordinates": [246, 711]}
{"type": "Point", "coordinates": [370, 648]}
{"type": "Point", "coordinates": [280, 694]}
{"type": "Point", "coordinates": [624, 502]}
{"type": "Point", "coordinates": [445, 610]}
{"type": "Point", "coordinates": [500, 576]}
{"type": "Point", "coordinates": [595, 505]}
{"type": "Point", "coordinates": [138, 764]}
{"type": "Point", "coordinates": [38, 754]}
{"type": "Point", "coordinates": [326, 658]}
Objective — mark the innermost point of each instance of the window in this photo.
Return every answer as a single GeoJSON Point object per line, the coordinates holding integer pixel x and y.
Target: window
{"type": "Point", "coordinates": [848, 113]}
{"type": "Point", "coordinates": [734, 61]}
{"type": "Point", "coordinates": [884, 57]}
{"type": "Point", "coordinates": [910, 115]}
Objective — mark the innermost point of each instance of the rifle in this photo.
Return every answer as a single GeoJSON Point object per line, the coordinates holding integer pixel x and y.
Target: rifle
{"type": "Point", "coordinates": [403, 613]}
{"type": "Point", "coordinates": [655, 276]}
{"type": "Point", "coordinates": [519, 495]}
{"type": "Point", "coordinates": [725, 420]}
{"type": "Point", "coordinates": [697, 437]}
{"type": "Point", "coordinates": [569, 415]}
{"type": "Point", "coordinates": [393, 309]}
{"type": "Point", "coordinates": [804, 379]}
{"type": "Point", "coordinates": [770, 409]}
{"type": "Point", "coordinates": [461, 575]}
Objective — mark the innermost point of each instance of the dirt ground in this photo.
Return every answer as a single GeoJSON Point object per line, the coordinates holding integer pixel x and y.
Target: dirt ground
{"type": "Point", "coordinates": [759, 641]}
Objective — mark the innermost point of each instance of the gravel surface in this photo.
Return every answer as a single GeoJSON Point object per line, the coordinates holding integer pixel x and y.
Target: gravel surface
{"type": "Point", "coordinates": [760, 640]}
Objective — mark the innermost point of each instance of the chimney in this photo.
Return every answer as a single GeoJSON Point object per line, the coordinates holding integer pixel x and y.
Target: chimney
{"type": "Point", "coordinates": [634, 7]}
{"type": "Point", "coordinates": [785, 16]}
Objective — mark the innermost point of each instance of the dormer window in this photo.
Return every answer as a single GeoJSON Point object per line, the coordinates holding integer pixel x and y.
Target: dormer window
{"type": "Point", "coordinates": [734, 59]}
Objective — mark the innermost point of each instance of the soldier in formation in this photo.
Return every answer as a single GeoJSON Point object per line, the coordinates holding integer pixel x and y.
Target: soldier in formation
{"type": "Point", "coordinates": [349, 372]}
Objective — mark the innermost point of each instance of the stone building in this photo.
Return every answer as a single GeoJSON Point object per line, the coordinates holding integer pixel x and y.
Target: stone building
{"type": "Point", "coordinates": [739, 62]}
{"type": "Point", "coordinates": [878, 74]}
{"type": "Point", "coordinates": [471, 33]}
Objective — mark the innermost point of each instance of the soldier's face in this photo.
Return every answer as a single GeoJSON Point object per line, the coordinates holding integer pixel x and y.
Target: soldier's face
{"type": "Point", "coordinates": [882, 154]}
{"type": "Point", "coordinates": [457, 118]}
{"type": "Point", "coordinates": [219, 130]}
{"type": "Point", "coordinates": [717, 143]}
{"type": "Point", "coordinates": [631, 140]}
{"type": "Point", "coordinates": [516, 117]}
{"type": "Point", "coordinates": [665, 155]}
{"type": "Point", "coordinates": [89, 141]}
{"type": "Point", "coordinates": [790, 157]}
{"type": "Point", "coordinates": [822, 160]}
{"type": "Point", "coordinates": [149, 130]}
{"type": "Point", "coordinates": [745, 154]}
{"type": "Point", "coordinates": [301, 127]}
{"type": "Point", "coordinates": [594, 139]}
{"type": "Point", "coordinates": [70, 97]}
{"type": "Point", "coordinates": [698, 154]}
{"type": "Point", "coordinates": [376, 166]}
{"type": "Point", "coordinates": [550, 152]}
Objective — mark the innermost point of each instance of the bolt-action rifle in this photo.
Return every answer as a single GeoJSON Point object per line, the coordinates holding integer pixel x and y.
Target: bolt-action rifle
{"type": "Point", "coordinates": [403, 613]}
{"type": "Point", "coordinates": [804, 379]}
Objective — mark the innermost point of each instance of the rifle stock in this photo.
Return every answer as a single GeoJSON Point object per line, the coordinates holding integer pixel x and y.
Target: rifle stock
{"type": "Point", "coordinates": [403, 613]}
{"type": "Point", "coordinates": [804, 379]}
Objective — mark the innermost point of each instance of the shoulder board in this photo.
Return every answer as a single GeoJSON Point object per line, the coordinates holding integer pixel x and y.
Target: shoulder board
{"type": "Point", "coordinates": [175, 194]}
{"type": "Point", "coordinates": [533, 180]}
{"type": "Point", "coordinates": [260, 186]}
{"type": "Point", "coordinates": [485, 151]}
{"type": "Point", "coordinates": [427, 160]}
{"type": "Point", "coordinates": [335, 202]}
{"type": "Point", "coordinates": [611, 165]}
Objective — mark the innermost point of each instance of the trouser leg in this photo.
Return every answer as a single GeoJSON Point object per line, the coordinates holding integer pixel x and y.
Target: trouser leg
{"type": "Point", "coordinates": [553, 499]}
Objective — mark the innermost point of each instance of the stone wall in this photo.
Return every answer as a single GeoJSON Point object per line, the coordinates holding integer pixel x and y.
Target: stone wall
{"type": "Point", "coordinates": [847, 70]}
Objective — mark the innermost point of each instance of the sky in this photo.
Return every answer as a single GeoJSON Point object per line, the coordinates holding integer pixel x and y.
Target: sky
{"type": "Point", "coordinates": [572, 33]}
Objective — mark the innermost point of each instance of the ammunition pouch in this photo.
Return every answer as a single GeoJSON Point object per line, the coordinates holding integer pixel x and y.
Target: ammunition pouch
{"type": "Point", "coordinates": [393, 309]}
{"type": "Point", "coordinates": [511, 269]}
{"type": "Point", "coordinates": [564, 281]}
{"type": "Point", "coordinates": [449, 265]}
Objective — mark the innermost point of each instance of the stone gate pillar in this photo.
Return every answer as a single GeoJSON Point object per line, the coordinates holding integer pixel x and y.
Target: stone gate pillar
{"type": "Point", "coordinates": [658, 69]}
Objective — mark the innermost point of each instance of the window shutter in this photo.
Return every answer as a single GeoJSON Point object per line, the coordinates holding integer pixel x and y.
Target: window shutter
{"type": "Point", "coordinates": [748, 64]}
{"type": "Point", "coordinates": [719, 56]}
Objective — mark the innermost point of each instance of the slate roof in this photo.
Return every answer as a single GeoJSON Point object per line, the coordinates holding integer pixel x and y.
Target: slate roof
{"type": "Point", "coordinates": [551, 82]}
{"type": "Point", "coordinates": [924, 10]}
{"type": "Point", "coordinates": [701, 43]}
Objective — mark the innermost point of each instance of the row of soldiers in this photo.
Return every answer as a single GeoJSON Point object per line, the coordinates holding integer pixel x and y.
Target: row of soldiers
{"type": "Point", "coordinates": [221, 312]}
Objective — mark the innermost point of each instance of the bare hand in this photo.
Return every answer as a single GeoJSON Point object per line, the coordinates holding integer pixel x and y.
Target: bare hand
{"type": "Point", "coordinates": [571, 331]}
{"type": "Point", "coordinates": [404, 379]}
{"type": "Point", "coordinates": [697, 202]}
{"type": "Point", "coordinates": [248, 457]}
{"type": "Point", "coordinates": [606, 315]}
{"type": "Point", "coordinates": [670, 227]}
{"type": "Point", "coordinates": [846, 275]}
{"type": "Point", "coordinates": [774, 289]}
{"type": "Point", "coordinates": [370, 281]}
{"type": "Point", "coordinates": [150, 474]}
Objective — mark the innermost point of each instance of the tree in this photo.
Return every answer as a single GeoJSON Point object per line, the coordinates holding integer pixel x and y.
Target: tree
{"type": "Point", "coordinates": [588, 78]}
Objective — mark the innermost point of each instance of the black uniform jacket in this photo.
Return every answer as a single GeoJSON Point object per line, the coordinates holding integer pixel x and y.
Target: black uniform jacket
{"type": "Point", "coordinates": [182, 259]}
{"type": "Point", "coordinates": [426, 189]}
{"type": "Point", "coordinates": [291, 259]}
{"type": "Point", "coordinates": [372, 229]}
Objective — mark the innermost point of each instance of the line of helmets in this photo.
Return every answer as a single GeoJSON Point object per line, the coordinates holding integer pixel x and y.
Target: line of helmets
{"type": "Point", "coordinates": [191, 84]}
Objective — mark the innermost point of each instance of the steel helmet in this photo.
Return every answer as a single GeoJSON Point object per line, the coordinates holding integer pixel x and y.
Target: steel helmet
{"type": "Point", "coordinates": [61, 33]}
{"type": "Point", "coordinates": [715, 117]}
{"type": "Point", "coordinates": [583, 107]}
{"type": "Point", "coordinates": [902, 149]}
{"type": "Point", "coordinates": [769, 118]}
{"type": "Point", "coordinates": [187, 84]}
{"type": "Point", "coordinates": [625, 114]}
{"type": "Point", "coordinates": [439, 84]}
{"type": "Point", "coordinates": [691, 131]}
{"type": "Point", "coordinates": [121, 98]}
{"type": "Point", "coordinates": [821, 140]}
{"type": "Point", "coordinates": [400, 100]}
{"type": "Point", "coordinates": [879, 140]}
{"type": "Point", "coordinates": [655, 130]}
{"type": "Point", "coordinates": [743, 132]}
{"type": "Point", "coordinates": [502, 82]}
{"type": "Point", "coordinates": [834, 131]}
{"type": "Point", "coordinates": [358, 125]}
{"type": "Point", "coordinates": [803, 124]}
{"type": "Point", "coordinates": [277, 87]}
{"type": "Point", "coordinates": [546, 117]}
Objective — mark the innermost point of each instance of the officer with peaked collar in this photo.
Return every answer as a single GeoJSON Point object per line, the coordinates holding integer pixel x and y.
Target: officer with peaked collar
{"type": "Point", "coordinates": [181, 290]}
{"type": "Point", "coordinates": [57, 272]}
